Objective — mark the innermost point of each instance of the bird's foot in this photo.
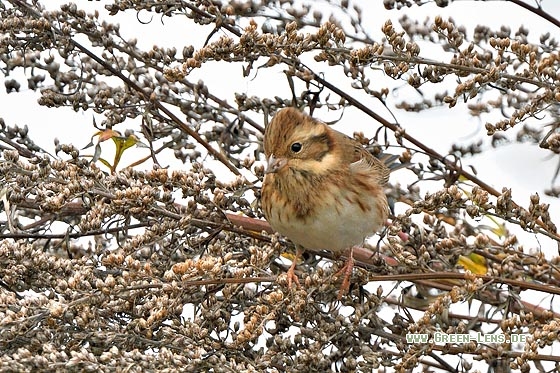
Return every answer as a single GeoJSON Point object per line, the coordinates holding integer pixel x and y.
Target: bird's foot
{"type": "Point", "coordinates": [346, 270]}
{"type": "Point", "coordinates": [291, 276]}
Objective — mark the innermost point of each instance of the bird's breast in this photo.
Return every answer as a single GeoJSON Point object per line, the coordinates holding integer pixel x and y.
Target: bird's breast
{"type": "Point", "coordinates": [331, 212]}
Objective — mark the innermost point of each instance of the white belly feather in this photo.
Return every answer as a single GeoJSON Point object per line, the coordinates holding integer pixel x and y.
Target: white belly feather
{"type": "Point", "coordinates": [335, 226]}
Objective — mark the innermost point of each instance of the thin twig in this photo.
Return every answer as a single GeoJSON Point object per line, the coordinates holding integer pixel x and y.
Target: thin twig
{"type": "Point", "coordinates": [145, 95]}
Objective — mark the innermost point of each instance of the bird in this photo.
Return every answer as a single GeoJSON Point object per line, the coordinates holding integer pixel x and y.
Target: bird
{"type": "Point", "coordinates": [322, 189]}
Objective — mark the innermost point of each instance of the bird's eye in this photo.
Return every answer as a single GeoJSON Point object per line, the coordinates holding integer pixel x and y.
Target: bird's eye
{"type": "Point", "coordinates": [296, 147]}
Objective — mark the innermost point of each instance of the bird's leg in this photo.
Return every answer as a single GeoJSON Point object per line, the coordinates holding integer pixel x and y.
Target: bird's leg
{"type": "Point", "coordinates": [291, 276]}
{"type": "Point", "coordinates": [347, 271]}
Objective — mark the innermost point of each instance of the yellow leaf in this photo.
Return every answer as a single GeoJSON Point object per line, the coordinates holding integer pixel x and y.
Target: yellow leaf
{"type": "Point", "coordinates": [474, 263]}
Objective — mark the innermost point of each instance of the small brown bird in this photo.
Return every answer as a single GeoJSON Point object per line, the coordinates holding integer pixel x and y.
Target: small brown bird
{"type": "Point", "coordinates": [322, 189]}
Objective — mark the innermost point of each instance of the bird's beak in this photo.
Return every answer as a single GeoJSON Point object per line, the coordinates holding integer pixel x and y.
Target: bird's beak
{"type": "Point", "coordinates": [275, 164]}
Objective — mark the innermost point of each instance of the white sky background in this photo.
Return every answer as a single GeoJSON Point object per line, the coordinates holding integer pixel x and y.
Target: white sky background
{"type": "Point", "coordinates": [525, 168]}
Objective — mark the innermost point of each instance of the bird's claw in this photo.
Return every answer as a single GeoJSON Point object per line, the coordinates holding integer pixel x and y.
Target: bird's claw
{"type": "Point", "coordinates": [292, 278]}
{"type": "Point", "coordinates": [346, 270]}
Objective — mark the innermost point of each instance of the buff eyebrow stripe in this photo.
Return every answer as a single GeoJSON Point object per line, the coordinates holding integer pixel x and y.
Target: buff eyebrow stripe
{"type": "Point", "coordinates": [323, 138]}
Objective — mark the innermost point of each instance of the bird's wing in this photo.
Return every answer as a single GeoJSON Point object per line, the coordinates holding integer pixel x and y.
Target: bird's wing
{"type": "Point", "coordinates": [360, 160]}
{"type": "Point", "coordinates": [365, 160]}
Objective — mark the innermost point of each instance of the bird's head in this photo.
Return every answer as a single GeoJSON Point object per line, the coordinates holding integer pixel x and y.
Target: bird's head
{"type": "Point", "coordinates": [294, 140]}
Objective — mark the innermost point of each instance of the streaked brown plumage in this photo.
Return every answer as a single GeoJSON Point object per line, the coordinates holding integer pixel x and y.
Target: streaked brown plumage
{"type": "Point", "coordinates": [322, 189]}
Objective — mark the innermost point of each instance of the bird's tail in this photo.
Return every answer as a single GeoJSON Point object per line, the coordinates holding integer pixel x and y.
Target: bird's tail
{"type": "Point", "coordinates": [391, 161]}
